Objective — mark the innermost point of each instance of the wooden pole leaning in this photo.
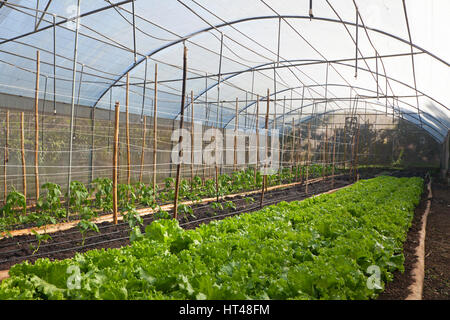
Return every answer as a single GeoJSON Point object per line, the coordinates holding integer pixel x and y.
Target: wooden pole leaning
{"type": "Point", "coordinates": [236, 124]}
{"type": "Point", "coordinates": [334, 158]}
{"type": "Point", "coordinates": [22, 147]}
{"type": "Point", "coordinates": [115, 161]}
{"type": "Point", "coordinates": [144, 131]}
{"type": "Point", "coordinates": [6, 158]}
{"type": "Point", "coordinates": [308, 157]}
{"type": "Point", "coordinates": [356, 153]}
{"type": "Point", "coordinates": [36, 126]}
{"type": "Point", "coordinates": [257, 135]}
{"type": "Point", "coordinates": [183, 97]}
{"type": "Point", "coordinates": [155, 127]}
{"type": "Point", "coordinates": [127, 128]}
{"type": "Point", "coordinates": [293, 144]}
{"type": "Point", "coordinates": [298, 164]}
{"type": "Point", "coordinates": [192, 139]}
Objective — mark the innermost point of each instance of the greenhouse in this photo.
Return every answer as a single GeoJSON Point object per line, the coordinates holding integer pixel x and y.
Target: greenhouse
{"type": "Point", "coordinates": [224, 150]}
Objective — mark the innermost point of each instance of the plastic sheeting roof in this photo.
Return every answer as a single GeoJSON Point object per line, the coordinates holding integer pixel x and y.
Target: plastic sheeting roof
{"type": "Point", "coordinates": [308, 63]}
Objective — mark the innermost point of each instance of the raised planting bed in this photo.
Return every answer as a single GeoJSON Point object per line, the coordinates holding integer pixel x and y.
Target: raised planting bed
{"type": "Point", "coordinates": [343, 245]}
{"type": "Point", "coordinates": [67, 242]}
{"type": "Point", "coordinates": [97, 201]}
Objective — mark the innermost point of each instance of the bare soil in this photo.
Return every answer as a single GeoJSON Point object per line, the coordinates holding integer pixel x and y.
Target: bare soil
{"type": "Point", "coordinates": [437, 246]}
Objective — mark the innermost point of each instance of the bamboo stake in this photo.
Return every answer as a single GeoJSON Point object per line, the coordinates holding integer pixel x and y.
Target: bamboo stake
{"type": "Point", "coordinates": [299, 160]}
{"type": "Point", "coordinates": [281, 157]}
{"type": "Point", "coordinates": [352, 156]}
{"type": "Point", "coordinates": [236, 123]}
{"type": "Point", "coordinates": [334, 159]}
{"type": "Point", "coordinates": [257, 134]}
{"type": "Point", "coordinates": [192, 138]}
{"type": "Point", "coordinates": [155, 127]}
{"type": "Point", "coordinates": [115, 161]}
{"type": "Point", "coordinates": [264, 182]}
{"type": "Point", "coordinates": [345, 145]}
{"type": "Point", "coordinates": [325, 153]}
{"type": "Point", "coordinates": [217, 183]}
{"type": "Point", "coordinates": [143, 149]}
{"type": "Point", "coordinates": [183, 97]}
{"type": "Point", "coordinates": [36, 127]}
{"type": "Point", "coordinates": [293, 144]}
{"type": "Point", "coordinates": [6, 157]}
{"type": "Point", "coordinates": [356, 155]}
{"type": "Point", "coordinates": [22, 146]}
{"type": "Point", "coordinates": [127, 128]}
{"type": "Point", "coordinates": [308, 157]}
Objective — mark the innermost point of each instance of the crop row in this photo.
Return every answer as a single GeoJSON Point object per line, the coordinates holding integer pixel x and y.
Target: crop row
{"type": "Point", "coordinates": [343, 245]}
{"type": "Point", "coordinates": [86, 202]}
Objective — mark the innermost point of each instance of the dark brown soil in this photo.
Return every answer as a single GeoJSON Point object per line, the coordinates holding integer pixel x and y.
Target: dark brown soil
{"type": "Point", "coordinates": [437, 246]}
{"type": "Point", "coordinates": [398, 288]}
{"type": "Point", "coordinates": [64, 244]}
{"type": "Point", "coordinates": [437, 250]}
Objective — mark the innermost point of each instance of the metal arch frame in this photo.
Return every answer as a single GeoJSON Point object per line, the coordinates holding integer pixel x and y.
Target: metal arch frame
{"type": "Point", "coordinates": [334, 110]}
{"type": "Point", "coordinates": [347, 65]}
{"type": "Point", "coordinates": [255, 18]}
{"type": "Point", "coordinates": [412, 115]}
{"type": "Point", "coordinates": [435, 138]}
{"type": "Point", "coordinates": [312, 61]}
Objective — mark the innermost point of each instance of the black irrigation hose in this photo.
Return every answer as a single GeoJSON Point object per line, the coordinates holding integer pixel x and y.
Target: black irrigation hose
{"type": "Point", "coordinates": [23, 258]}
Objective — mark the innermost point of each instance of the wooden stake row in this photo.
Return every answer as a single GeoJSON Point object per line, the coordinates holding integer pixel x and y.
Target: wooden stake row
{"type": "Point", "coordinates": [294, 160]}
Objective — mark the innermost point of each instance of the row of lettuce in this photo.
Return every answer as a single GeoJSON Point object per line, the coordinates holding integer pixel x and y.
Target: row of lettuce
{"type": "Point", "coordinates": [87, 202]}
{"type": "Point", "coordinates": [344, 245]}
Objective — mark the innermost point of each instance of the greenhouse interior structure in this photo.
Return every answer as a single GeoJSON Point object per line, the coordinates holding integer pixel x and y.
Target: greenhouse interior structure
{"type": "Point", "coordinates": [206, 149]}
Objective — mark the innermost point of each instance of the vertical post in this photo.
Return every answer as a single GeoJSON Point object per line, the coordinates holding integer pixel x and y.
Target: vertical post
{"type": "Point", "coordinates": [115, 161]}
{"type": "Point", "coordinates": [356, 153]}
{"type": "Point", "coordinates": [6, 156]}
{"type": "Point", "coordinates": [283, 133]}
{"type": "Point", "coordinates": [352, 156]}
{"type": "Point", "coordinates": [91, 154]}
{"type": "Point", "coordinates": [155, 127]}
{"type": "Point", "coordinates": [345, 143]}
{"type": "Point", "coordinates": [293, 144]}
{"type": "Point", "coordinates": [22, 148]}
{"type": "Point", "coordinates": [334, 158]}
{"type": "Point", "coordinates": [324, 166]}
{"type": "Point", "coordinates": [183, 96]}
{"type": "Point", "coordinates": [192, 137]}
{"type": "Point", "coordinates": [308, 158]}
{"type": "Point", "coordinates": [36, 126]}
{"type": "Point", "coordinates": [54, 64]}
{"type": "Point", "coordinates": [144, 129]}
{"type": "Point", "coordinates": [257, 135]}
{"type": "Point", "coordinates": [300, 154]}
{"type": "Point", "coordinates": [236, 124]}
{"type": "Point", "coordinates": [264, 182]}
{"type": "Point", "coordinates": [127, 127]}
{"type": "Point", "coordinates": [74, 73]}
